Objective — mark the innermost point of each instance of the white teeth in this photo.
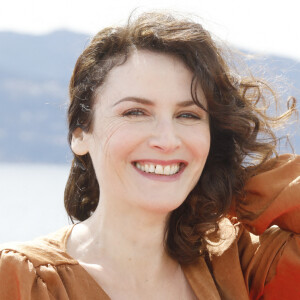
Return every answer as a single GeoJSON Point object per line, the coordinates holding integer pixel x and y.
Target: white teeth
{"type": "Point", "coordinates": [167, 170]}
{"type": "Point", "coordinates": [173, 169]}
{"type": "Point", "coordinates": [159, 169]}
{"type": "Point", "coordinates": [176, 168]}
{"type": "Point", "coordinates": [151, 168]}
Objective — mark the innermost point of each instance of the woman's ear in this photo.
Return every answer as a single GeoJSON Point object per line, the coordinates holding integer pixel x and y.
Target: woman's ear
{"type": "Point", "coordinates": [79, 143]}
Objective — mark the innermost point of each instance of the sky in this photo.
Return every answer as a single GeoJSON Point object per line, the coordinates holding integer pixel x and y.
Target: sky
{"type": "Point", "coordinates": [263, 26]}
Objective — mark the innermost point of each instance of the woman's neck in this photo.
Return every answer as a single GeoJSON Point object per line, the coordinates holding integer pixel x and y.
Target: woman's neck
{"type": "Point", "coordinates": [124, 240]}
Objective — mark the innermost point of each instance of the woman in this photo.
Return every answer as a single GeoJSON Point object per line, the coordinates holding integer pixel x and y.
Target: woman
{"type": "Point", "coordinates": [165, 138]}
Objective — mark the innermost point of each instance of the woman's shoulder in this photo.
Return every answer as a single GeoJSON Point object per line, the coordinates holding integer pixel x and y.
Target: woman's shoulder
{"type": "Point", "coordinates": [44, 250]}
{"type": "Point", "coordinates": [37, 269]}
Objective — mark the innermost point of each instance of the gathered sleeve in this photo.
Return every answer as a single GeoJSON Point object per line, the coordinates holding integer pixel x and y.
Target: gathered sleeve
{"type": "Point", "coordinates": [42, 270]}
{"type": "Point", "coordinates": [273, 198]}
{"type": "Point", "coordinates": [270, 256]}
{"type": "Point", "coordinates": [19, 279]}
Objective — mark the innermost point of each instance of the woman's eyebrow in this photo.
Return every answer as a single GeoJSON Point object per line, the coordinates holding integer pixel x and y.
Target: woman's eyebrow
{"type": "Point", "coordinates": [152, 103]}
{"type": "Point", "coordinates": [135, 99]}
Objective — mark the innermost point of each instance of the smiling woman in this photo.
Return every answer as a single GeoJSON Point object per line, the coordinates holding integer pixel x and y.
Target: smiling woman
{"type": "Point", "coordinates": [174, 166]}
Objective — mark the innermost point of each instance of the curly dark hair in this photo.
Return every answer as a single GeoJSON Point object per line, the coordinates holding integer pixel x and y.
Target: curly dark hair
{"type": "Point", "coordinates": [240, 128]}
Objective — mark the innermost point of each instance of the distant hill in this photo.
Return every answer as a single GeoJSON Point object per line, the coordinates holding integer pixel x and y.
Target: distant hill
{"type": "Point", "coordinates": [34, 75]}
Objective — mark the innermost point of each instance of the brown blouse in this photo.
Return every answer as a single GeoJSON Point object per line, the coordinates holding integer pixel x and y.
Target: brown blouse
{"type": "Point", "coordinates": [245, 266]}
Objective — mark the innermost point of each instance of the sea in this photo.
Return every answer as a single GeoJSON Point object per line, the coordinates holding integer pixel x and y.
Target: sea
{"type": "Point", "coordinates": [31, 200]}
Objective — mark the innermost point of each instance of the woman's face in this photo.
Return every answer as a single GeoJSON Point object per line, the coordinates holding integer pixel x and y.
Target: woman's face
{"type": "Point", "coordinates": [149, 141]}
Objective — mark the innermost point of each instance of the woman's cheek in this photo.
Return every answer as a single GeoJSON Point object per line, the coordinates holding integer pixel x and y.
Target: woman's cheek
{"type": "Point", "coordinates": [197, 139]}
{"type": "Point", "coordinates": [122, 137]}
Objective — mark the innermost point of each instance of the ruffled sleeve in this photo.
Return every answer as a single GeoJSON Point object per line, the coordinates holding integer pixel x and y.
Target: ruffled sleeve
{"type": "Point", "coordinates": [270, 259]}
{"type": "Point", "coordinates": [18, 278]}
{"type": "Point", "coordinates": [42, 270]}
{"type": "Point", "coordinates": [273, 197]}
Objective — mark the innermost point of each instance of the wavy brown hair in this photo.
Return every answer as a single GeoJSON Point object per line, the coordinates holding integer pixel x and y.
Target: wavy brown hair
{"type": "Point", "coordinates": [239, 126]}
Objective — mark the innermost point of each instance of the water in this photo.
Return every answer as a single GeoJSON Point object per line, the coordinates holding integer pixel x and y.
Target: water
{"type": "Point", "coordinates": [31, 200]}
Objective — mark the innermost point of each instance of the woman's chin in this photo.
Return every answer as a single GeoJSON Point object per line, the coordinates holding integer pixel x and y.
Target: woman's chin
{"type": "Point", "coordinates": [160, 206]}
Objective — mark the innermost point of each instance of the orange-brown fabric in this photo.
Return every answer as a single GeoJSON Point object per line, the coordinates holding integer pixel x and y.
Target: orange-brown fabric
{"type": "Point", "coordinates": [42, 269]}
{"type": "Point", "coordinates": [245, 266]}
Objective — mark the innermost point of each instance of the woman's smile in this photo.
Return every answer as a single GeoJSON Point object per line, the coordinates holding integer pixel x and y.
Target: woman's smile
{"type": "Point", "coordinates": [160, 170]}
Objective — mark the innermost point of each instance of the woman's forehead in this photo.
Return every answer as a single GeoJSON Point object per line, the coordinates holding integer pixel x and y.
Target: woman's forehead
{"type": "Point", "coordinates": [150, 75]}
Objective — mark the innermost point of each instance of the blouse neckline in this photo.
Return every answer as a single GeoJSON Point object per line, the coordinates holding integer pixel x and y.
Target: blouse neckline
{"type": "Point", "coordinates": [197, 275]}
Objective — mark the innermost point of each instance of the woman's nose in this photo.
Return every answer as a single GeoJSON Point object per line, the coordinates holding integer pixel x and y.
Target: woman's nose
{"type": "Point", "coordinates": [164, 137]}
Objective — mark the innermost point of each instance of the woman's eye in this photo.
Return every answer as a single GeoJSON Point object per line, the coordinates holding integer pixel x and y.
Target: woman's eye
{"type": "Point", "coordinates": [189, 116]}
{"type": "Point", "coordinates": [134, 112]}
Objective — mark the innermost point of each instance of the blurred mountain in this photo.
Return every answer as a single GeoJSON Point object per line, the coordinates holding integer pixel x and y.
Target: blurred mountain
{"type": "Point", "coordinates": [34, 75]}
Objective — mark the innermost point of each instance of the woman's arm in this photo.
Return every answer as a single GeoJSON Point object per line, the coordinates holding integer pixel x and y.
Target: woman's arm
{"type": "Point", "coordinates": [271, 260]}
{"type": "Point", "coordinates": [273, 197]}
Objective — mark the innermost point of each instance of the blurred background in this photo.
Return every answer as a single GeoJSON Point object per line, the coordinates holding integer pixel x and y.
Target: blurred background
{"type": "Point", "coordinates": [39, 44]}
